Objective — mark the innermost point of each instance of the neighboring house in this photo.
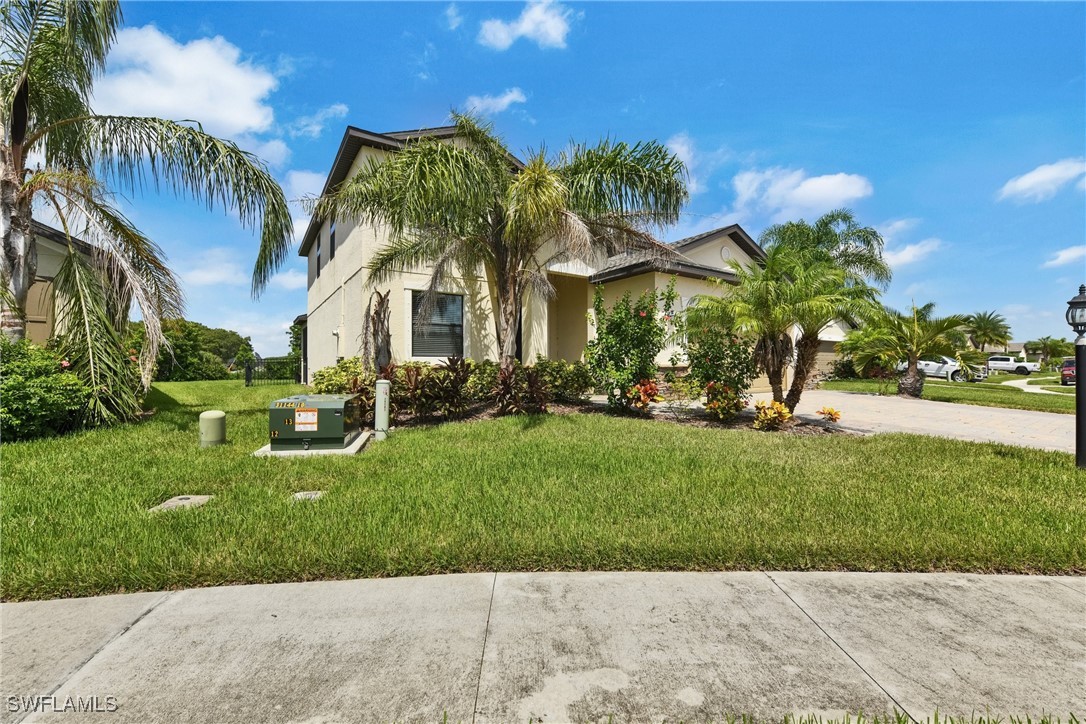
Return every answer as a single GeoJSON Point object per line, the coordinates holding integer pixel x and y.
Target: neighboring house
{"type": "Point", "coordinates": [462, 321]}
{"type": "Point", "coordinates": [52, 247]}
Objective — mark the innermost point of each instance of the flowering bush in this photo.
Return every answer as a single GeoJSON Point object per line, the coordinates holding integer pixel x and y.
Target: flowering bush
{"type": "Point", "coordinates": [770, 415]}
{"type": "Point", "coordinates": [628, 338]}
{"type": "Point", "coordinates": [641, 394]}
{"type": "Point", "coordinates": [723, 402]}
{"type": "Point", "coordinates": [38, 396]}
{"type": "Point", "coordinates": [716, 355]}
{"type": "Point", "coordinates": [829, 414]}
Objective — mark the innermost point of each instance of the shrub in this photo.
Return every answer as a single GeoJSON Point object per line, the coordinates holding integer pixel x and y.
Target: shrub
{"type": "Point", "coordinates": [718, 356]}
{"type": "Point", "coordinates": [628, 338]}
{"type": "Point", "coordinates": [681, 391]}
{"type": "Point", "coordinates": [38, 397]}
{"type": "Point", "coordinates": [643, 393]}
{"type": "Point", "coordinates": [828, 414]}
{"type": "Point", "coordinates": [723, 402]}
{"type": "Point", "coordinates": [482, 381]}
{"type": "Point", "coordinates": [344, 377]}
{"type": "Point", "coordinates": [843, 369]}
{"type": "Point", "coordinates": [521, 390]}
{"type": "Point", "coordinates": [770, 415]}
{"type": "Point", "coordinates": [449, 383]}
{"type": "Point", "coordinates": [568, 381]}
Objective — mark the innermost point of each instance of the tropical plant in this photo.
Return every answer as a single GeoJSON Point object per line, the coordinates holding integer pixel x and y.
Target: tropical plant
{"type": "Point", "coordinates": [644, 393]}
{"type": "Point", "coordinates": [758, 308]}
{"type": "Point", "coordinates": [830, 264]}
{"type": "Point", "coordinates": [724, 402]}
{"type": "Point", "coordinates": [985, 328]}
{"type": "Point", "coordinates": [771, 415]}
{"type": "Point", "coordinates": [469, 204]}
{"type": "Point", "coordinates": [39, 396]}
{"type": "Point", "coordinates": [1050, 348]}
{"type": "Point", "coordinates": [892, 337]}
{"type": "Point", "coordinates": [629, 335]}
{"type": "Point", "coordinates": [58, 153]}
{"type": "Point", "coordinates": [837, 239]}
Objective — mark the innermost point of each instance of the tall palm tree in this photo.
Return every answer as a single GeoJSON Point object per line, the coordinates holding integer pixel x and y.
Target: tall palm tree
{"type": "Point", "coordinates": [57, 153]}
{"type": "Point", "coordinates": [985, 328]}
{"type": "Point", "coordinates": [893, 336]}
{"type": "Point", "coordinates": [467, 204]}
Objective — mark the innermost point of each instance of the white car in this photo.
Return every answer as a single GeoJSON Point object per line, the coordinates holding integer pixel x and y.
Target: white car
{"type": "Point", "coordinates": [939, 366]}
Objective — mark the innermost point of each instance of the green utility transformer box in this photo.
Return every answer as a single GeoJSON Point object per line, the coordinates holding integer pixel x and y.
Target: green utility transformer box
{"type": "Point", "coordinates": [314, 422]}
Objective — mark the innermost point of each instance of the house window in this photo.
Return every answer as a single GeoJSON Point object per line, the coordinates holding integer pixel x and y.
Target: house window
{"type": "Point", "coordinates": [318, 255]}
{"type": "Point", "coordinates": [441, 332]}
{"type": "Point", "coordinates": [332, 241]}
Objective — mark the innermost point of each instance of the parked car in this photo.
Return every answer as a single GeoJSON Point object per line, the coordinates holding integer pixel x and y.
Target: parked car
{"type": "Point", "coordinates": [940, 366]}
{"type": "Point", "coordinates": [1006, 363]}
{"type": "Point", "coordinates": [1067, 372]}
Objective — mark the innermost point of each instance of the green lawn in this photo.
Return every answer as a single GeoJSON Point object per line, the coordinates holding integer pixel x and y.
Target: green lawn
{"type": "Point", "coordinates": [967, 393]}
{"type": "Point", "coordinates": [584, 491]}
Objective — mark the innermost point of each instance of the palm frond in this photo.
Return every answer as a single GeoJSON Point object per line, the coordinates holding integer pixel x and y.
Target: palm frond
{"type": "Point", "coordinates": [141, 152]}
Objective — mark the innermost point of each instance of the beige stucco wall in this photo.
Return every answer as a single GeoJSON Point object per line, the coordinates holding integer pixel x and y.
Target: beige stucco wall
{"type": "Point", "coordinates": [568, 317]}
{"type": "Point", "coordinates": [708, 253]}
{"type": "Point", "coordinates": [337, 299]}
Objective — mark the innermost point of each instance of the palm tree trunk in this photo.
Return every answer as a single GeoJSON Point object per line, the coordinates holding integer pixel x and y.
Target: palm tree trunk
{"type": "Point", "coordinates": [911, 383]}
{"type": "Point", "coordinates": [18, 252]}
{"type": "Point", "coordinates": [806, 356]}
{"type": "Point", "coordinates": [509, 315]}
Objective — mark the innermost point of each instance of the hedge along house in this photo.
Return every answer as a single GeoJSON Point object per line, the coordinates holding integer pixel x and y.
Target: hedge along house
{"type": "Point", "coordinates": [462, 321]}
{"type": "Point", "coordinates": [52, 249]}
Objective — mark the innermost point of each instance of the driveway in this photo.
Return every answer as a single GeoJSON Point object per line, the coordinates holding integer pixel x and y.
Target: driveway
{"type": "Point", "coordinates": [556, 647]}
{"type": "Point", "coordinates": [867, 414]}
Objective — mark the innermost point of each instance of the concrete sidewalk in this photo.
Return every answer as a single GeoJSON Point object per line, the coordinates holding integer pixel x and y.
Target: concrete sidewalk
{"type": "Point", "coordinates": [872, 414]}
{"type": "Point", "coordinates": [558, 647]}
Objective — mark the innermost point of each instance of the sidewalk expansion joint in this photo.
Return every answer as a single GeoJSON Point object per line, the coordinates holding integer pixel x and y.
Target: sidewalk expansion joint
{"type": "Point", "coordinates": [841, 648]}
{"type": "Point", "coordinates": [1081, 590]}
{"type": "Point", "coordinates": [482, 656]}
{"type": "Point", "coordinates": [82, 664]}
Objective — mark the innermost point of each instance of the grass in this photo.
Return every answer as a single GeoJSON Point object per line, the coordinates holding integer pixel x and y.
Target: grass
{"type": "Point", "coordinates": [967, 393]}
{"type": "Point", "coordinates": [574, 492]}
{"type": "Point", "coordinates": [1063, 390]}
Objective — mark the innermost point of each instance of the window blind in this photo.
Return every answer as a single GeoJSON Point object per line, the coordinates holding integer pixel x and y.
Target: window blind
{"type": "Point", "coordinates": [441, 332]}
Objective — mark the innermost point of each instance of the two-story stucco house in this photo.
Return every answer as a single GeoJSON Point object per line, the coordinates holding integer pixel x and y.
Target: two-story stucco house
{"type": "Point", "coordinates": [462, 322]}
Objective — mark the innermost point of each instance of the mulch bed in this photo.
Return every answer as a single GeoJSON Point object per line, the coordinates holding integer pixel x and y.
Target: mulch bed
{"type": "Point", "coordinates": [693, 417]}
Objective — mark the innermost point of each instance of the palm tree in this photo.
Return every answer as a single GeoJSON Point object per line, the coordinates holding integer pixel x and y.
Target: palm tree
{"type": "Point", "coordinates": [894, 336]}
{"type": "Point", "coordinates": [832, 262]}
{"type": "Point", "coordinates": [985, 328]}
{"type": "Point", "coordinates": [760, 306]}
{"type": "Point", "coordinates": [1049, 348]}
{"type": "Point", "coordinates": [57, 153]}
{"type": "Point", "coordinates": [469, 204]}
{"type": "Point", "coordinates": [837, 238]}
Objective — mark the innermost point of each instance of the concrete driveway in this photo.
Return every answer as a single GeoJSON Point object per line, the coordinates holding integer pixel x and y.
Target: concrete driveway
{"type": "Point", "coordinates": [554, 647]}
{"type": "Point", "coordinates": [867, 414]}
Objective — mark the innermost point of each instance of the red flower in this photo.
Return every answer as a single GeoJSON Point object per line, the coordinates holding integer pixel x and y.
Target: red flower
{"type": "Point", "coordinates": [642, 314]}
{"type": "Point", "coordinates": [133, 358]}
{"type": "Point", "coordinates": [65, 364]}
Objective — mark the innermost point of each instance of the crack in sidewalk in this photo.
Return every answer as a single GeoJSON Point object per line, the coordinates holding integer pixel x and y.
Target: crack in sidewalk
{"type": "Point", "coordinates": [116, 637]}
{"type": "Point", "coordinates": [482, 656]}
{"type": "Point", "coordinates": [841, 648]}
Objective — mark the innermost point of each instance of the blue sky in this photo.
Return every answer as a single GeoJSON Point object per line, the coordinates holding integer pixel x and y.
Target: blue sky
{"type": "Point", "coordinates": [958, 130]}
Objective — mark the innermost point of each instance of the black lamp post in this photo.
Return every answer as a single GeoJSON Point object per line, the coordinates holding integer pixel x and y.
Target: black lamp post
{"type": "Point", "coordinates": [1076, 317]}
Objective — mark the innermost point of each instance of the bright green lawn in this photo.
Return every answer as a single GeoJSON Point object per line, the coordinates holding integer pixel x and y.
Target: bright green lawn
{"type": "Point", "coordinates": [531, 493]}
{"type": "Point", "coordinates": [968, 393]}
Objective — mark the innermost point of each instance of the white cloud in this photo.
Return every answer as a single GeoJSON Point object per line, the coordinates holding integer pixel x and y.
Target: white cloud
{"type": "Point", "coordinates": [490, 105]}
{"type": "Point", "coordinates": [544, 21]}
{"type": "Point", "coordinates": [290, 280]}
{"type": "Point", "coordinates": [274, 152]}
{"type": "Point", "coordinates": [699, 165]}
{"type": "Point", "coordinates": [1065, 256]}
{"type": "Point", "coordinates": [1044, 181]}
{"type": "Point", "coordinates": [790, 194]}
{"type": "Point", "coordinates": [911, 253]}
{"type": "Point", "coordinates": [313, 126]}
{"type": "Point", "coordinates": [215, 267]}
{"type": "Point", "coordinates": [299, 184]}
{"type": "Point", "coordinates": [892, 230]}
{"type": "Point", "coordinates": [206, 80]}
{"type": "Point", "coordinates": [452, 16]}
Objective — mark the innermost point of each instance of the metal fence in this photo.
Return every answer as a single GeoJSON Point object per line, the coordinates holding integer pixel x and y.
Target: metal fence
{"type": "Point", "coordinates": [273, 371]}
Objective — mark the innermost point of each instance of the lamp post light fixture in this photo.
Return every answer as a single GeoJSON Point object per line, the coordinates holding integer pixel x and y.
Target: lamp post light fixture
{"type": "Point", "coordinates": [1076, 317]}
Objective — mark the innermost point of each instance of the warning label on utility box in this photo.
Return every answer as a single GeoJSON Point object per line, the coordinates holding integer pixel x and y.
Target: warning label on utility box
{"type": "Point", "coordinates": [305, 419]}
